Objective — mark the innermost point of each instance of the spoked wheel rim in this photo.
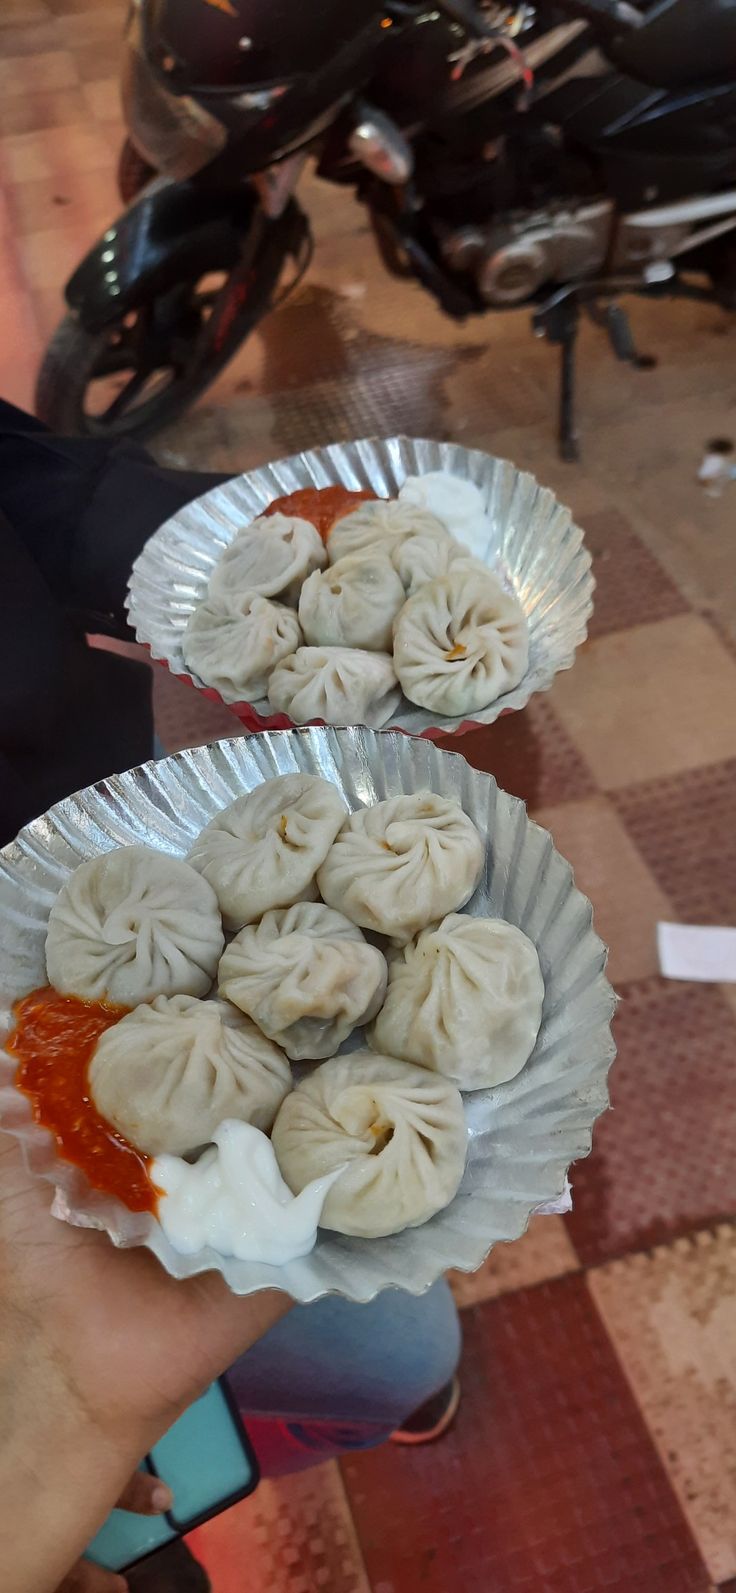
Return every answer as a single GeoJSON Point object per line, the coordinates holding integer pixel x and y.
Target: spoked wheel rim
{"type": "Point", "coordinates": [145, 368]}
{"type": "Point", "coordinates": [149, 355]}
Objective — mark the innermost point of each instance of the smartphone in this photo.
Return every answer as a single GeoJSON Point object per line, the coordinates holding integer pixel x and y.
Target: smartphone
{"type": "Point", "coordinates": [208, 1463]}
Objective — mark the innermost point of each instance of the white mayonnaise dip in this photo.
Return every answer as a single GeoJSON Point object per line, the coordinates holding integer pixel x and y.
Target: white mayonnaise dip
{"type": "Point", "coordinates": [457, 503]}
{"type": "Point", "coordinates": [235, 1200]}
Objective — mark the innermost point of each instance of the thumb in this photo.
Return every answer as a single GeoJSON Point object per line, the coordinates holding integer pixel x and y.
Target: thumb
{"type": "Point", "coordinates": [145, 1495]}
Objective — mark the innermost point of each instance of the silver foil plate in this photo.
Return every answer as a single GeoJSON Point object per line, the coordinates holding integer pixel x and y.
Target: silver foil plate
{"type": "Point", "coordinates": [534, 546]}
{"type": "Point", "coordinates": [523, 1135]}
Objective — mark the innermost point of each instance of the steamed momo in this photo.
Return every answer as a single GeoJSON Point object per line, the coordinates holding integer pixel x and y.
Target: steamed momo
{"type": "Point", "coordinates": [465, 998]}
{"type": "Point", "coordinates": [306, 976]}
{"type": "Point", "coordinates": [353, 604]}
{"type": "Point", "coordinates": [424, 557]}
{"type": "Point", "coordinates": [403, 863]}
{"type": "Point", "coordinates": [133, 924]}
{"type": "Point", "coordinates": [265, 848]}
{"type": "Point", "coordinates": [340, 685]}
{"type": "Point", "coordinates": [460, 641]}
{"type": "Point", "coordinates": [400, 1129]}
{"type": "Point", "coordinates": [233, 643]}
{"type": "Point", "coordinates": [168, 1074]}
{"type": "Point", "coordinates": [270, 558]}
{"type": "Point", "coordinates": [419, 546]}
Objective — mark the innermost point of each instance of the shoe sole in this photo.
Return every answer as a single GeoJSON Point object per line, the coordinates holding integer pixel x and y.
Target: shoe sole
{"type": "Point", "coordinates": [431, 1434]}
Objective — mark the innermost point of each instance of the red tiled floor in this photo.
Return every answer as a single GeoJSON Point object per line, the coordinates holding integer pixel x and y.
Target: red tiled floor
{"type": "Point", "coordinates": [685, 828]}
{"type": "Point", "coordinates": [530, 754]}
{"type": "Point", "coordinates": [662, 1161]}
{"type": "Point", "coordinates": [376, 403]}
{"type": "Point", "coordinates": [671, 1315]}
{"type": "Point", "coordinates": [294, 1535]}
{"type": "Point", "coordinates": [549, 1482]}
{"type": "Point", "coordinates": [631, 586]}
{"type": "Point", "coordinates": [726, 632]}
{"type": "Point", "coordinates": [184, 718]}
{"type": "Point", "coordinates": [543, 1252]}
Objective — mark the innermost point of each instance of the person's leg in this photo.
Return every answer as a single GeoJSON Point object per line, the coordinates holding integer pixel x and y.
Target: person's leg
{"type": "Point", "coordinates": [335, 1376]}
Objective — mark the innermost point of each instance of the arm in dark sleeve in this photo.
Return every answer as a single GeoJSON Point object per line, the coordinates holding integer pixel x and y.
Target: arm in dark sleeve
{"type": "Point", "coordinates": [83, 508]}
{"type": "Point", "coordinates": [68, 715]}
{"type": "Point", "coordinates": [74, 514]}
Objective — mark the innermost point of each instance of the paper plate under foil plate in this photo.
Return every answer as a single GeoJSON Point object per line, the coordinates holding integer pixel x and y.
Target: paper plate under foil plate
{"type": "Point", "coordinates": [523, 1135]}
{"type": "Point", "coordinates": [535, 546]}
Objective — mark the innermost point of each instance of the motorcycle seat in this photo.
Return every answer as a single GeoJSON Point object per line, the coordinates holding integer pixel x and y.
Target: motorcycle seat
{"type": "Point", "coordinates": [682, 43]}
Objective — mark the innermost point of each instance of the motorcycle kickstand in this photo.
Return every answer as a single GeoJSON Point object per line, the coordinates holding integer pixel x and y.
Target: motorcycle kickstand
{"type": "Point", "coordinates": [614, 321]}
{"type": "Point", "coordinates": [558, 321]}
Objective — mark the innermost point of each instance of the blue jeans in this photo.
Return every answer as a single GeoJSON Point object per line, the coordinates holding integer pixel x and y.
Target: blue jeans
{"type": "Point", "coordinates": [335, 1376]}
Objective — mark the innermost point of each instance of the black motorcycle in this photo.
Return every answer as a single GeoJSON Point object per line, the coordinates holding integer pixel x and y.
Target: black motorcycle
{"type": "Point", "coordinates": [557, 155]}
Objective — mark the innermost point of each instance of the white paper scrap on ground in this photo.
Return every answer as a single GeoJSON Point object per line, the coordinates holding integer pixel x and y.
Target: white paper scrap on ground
{"type": "Point", "coordinates": [697, 951]}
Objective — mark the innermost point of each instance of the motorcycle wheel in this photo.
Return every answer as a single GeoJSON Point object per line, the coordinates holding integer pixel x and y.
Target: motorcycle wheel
{"type": "Point", "coordinates": [144, 370]}
{"type": "Point", "coordinates": [133, 172]}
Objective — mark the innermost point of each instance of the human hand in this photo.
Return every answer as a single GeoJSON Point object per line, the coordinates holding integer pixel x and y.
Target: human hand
{"type": "Point", "coordinates": [100, 1351]}
{"type": "Point", "coordinates": [145, 1495]}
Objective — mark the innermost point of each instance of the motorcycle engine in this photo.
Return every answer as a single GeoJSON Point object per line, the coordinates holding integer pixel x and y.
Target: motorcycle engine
{"type": "Point", "coordinates": [511, 258]}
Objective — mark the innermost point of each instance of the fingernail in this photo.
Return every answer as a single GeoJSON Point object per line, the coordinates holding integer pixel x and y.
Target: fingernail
{"type": "Point", "coordinates": [162, 1498]}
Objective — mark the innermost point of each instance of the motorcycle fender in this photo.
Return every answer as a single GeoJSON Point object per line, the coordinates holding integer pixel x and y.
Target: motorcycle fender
{"type": "Point", "coordinates": [172, 233]}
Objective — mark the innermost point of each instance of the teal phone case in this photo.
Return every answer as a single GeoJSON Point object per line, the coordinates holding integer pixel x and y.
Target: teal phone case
{"type": "Point", "coordinates": [208, 1463]}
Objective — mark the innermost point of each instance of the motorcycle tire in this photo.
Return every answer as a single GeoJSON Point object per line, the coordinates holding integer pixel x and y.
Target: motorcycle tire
{"type": "Point", "coordinates": [133, 172]}
{"type": "Point", "coordinates": [76, 357]}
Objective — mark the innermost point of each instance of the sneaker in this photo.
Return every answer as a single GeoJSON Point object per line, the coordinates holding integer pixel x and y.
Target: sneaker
{"type": "Point", "coordinates": [432, 1419]}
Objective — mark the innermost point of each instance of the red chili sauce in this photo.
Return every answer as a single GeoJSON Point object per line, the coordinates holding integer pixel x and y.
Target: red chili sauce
{"type": "Point", "coordinates": [54, 1041]}
{"type": "Point", "coordinates": [323, 506]}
